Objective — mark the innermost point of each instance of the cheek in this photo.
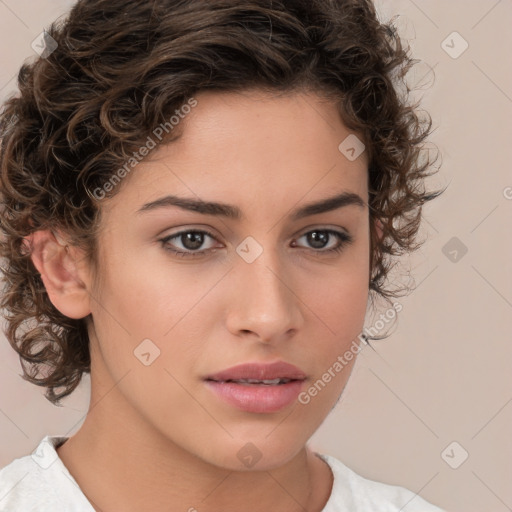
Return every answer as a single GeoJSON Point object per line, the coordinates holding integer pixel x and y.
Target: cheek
{"type": "Point", "coordinates": [339, 294]}
{"type": "Point", "coordinates": [342, 299]}
{"type": "Point", "coordinates": [337, 330]}
{"type": "Point", "coordinates": [157, 301]}
{"type": "Point", "coordinates": [336, 323]}
{"type": "Point", "coordinates": [147, 294]}
{"type": "Point", "coordinates": [338, 301]}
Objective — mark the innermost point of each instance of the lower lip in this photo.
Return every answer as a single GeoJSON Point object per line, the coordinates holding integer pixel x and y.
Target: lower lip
{"type": "Point", "coordinates": [257, 397]}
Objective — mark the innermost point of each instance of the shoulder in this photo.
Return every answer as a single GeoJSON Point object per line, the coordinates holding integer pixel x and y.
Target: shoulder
{"type": "Point", "coordinates": [40, 482]}
{"type": "Point", "coordinates": [351, 491]}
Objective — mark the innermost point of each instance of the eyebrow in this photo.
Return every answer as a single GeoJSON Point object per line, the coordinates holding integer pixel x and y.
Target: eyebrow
{"type": "Point", "coordinates": [233, 212]}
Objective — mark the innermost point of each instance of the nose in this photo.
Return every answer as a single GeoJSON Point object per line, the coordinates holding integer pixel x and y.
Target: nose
{"type": "Point", "coordinates": [263, 304]}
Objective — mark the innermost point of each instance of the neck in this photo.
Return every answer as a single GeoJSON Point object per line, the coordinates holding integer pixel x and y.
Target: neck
{"type": "Point", "coordinates": [122, 463]}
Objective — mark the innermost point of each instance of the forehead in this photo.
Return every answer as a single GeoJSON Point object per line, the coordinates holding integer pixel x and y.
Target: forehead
{"type": "Point", "coordinates": [252, 149]}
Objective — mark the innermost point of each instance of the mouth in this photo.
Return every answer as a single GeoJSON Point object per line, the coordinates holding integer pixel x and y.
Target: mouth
{"type": "Point", "coordinates": [258, 388]}
{"type": "Point", "coordinates": [257, 382]}
{"type": "Point", "coordinates": [259, 373]}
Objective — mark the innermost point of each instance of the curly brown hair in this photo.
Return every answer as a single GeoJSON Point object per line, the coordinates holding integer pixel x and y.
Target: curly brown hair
{"type": "Point", "coordinates": [122, 67]}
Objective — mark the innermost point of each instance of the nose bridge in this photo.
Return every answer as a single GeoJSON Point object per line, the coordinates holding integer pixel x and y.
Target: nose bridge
{"type": "Point", "coordinates": [263, 302]}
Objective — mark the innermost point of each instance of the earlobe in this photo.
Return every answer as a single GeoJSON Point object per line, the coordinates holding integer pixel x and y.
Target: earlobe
{"type": "Point", "coordinates": [61, 273]}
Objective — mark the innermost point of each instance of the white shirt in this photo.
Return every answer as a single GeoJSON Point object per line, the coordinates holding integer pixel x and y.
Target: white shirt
{"type": "Point", "coordinates": [41, 483]}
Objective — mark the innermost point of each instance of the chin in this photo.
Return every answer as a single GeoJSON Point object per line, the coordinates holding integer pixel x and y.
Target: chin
{"type": "Point", "coordinates": [254, 453]}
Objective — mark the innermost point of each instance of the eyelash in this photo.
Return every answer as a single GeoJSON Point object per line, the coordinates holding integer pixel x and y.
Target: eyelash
{"type": "Point", "coordinates": [343, 240]}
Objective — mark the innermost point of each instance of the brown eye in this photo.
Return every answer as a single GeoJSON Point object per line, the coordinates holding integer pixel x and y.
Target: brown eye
{"type": "Point", "coordinates": [188, 243]}
{"type": "Point", "coordinates": [319, 239]}
{"type": "Point", "coordinates": [192, 240]}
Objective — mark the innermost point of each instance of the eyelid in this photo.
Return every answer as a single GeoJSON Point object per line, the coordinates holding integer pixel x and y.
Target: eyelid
{"type": "Point", "coordinates": [203, 231]}
{"type": "Point", "coordinates": [320, 227]}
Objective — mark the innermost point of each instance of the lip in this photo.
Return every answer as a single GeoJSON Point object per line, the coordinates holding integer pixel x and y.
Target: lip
{"type": "Point", "coordinates": [258, 398]}
{"type": "Point", "coordinates": [260, 371]}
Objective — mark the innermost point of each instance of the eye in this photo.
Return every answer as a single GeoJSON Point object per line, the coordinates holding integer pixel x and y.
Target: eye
{"type": "Point", "coordinates": [321, 240]}
{"type": "Point", "coordinates": [191, 241]}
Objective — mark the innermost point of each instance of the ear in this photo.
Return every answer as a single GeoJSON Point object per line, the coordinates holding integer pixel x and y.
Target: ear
{"type": "Point", "coordinates": [63, 271]}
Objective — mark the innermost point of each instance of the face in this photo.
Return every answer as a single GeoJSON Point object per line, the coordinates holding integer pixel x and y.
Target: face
{"type": "Point", "coordinates": [185, 293]}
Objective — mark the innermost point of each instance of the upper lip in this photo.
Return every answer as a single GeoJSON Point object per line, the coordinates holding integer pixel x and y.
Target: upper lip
{"type": "Point", "coordinates": [260, 371]}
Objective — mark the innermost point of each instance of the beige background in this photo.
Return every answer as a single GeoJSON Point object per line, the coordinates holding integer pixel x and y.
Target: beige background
{"type": "Point", "coordinates": [444, 375]}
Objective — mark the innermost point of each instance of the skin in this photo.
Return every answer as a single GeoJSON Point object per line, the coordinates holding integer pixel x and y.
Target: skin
{"type": "Point", "coordinates": [151, 425]}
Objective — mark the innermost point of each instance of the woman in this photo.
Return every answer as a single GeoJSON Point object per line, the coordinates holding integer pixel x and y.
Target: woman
{"type": "Point", "coordinates": [198, 201]}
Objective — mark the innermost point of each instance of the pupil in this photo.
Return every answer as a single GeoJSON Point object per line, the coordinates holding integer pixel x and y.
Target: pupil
{"type": "Point", "coordinates": [318, 239]}
{"type": "Point", "coordinates": [192, 240]}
